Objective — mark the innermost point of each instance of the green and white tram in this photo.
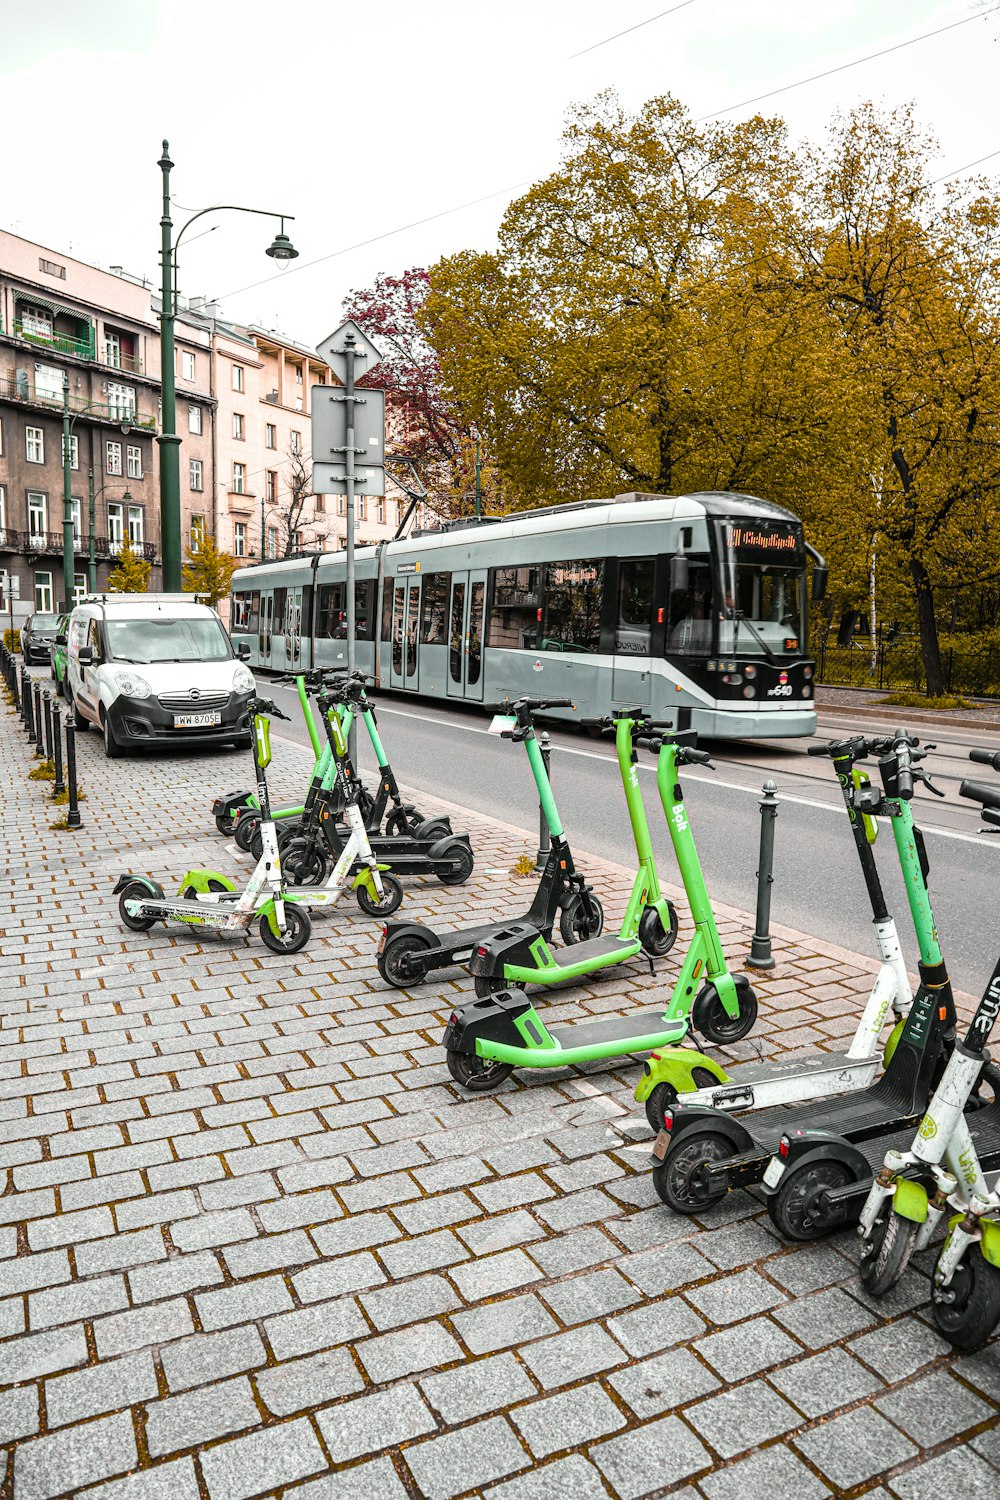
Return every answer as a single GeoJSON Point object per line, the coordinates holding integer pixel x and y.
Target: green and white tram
{"type": "Point", "coordinates": [694, 606]}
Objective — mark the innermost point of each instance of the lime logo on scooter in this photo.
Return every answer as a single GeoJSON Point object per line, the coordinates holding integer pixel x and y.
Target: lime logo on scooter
{"type": "Point", "coordinates": [969, 1163]}
{"type": "Point", "coordinates": [928, 1128]}
{"type": "Point", "coordinates": [987, 1012]}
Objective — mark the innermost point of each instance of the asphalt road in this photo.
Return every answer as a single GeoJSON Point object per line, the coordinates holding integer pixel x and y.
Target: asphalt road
{"type": "Point", "coordinates": [447, 751]}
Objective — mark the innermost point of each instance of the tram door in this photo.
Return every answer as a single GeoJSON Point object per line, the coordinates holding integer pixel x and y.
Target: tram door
{"type": "Point", "coordinates": [264, 638]}
{"type": "Point", "coordinates": [293, 630]}
{"type": "Point", "coordinates": [404, 632]}
{"type": "Point", "coordinates": [466, 630]}
{"type": "Point", "coordinates": [631, 680]}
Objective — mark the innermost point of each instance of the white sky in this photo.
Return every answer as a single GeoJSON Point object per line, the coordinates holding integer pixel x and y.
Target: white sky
{"type": "Point", "coordinates": [359, 119]}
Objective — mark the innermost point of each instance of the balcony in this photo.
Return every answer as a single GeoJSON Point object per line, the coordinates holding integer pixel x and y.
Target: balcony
{"type": "Point", "coordinates": [21, 387]}
{"type": "Point", "coordinates": [117, 359]}
{"type": "Point", "coordinates": [39, 543]}
{"type": "Point", "coordinates": [62, 343]}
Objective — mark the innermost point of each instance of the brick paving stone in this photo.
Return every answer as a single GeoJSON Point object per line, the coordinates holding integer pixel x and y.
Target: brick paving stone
{"type": "Point", "coordinates": [120, 1253]}
{"type": "Point", "coordinates": [376, 1478]}
{"type": "Point", "coordinates": [70, 1228]}
{"type": "Point", "coordinates": [247, 1466]}
{"type": "Point", "coordinates": [437, 1213]}
{"type": "Point", "coordinates": [427, 1252]}
{"type": "Point", "coordinates": [742, 1418]}
{"type": "Point", "coordinates": [773, 1471]}
{"type": "Point", "coordinates": [423, 1297]}
{"type": "Point", "coordinates": [78, 1456]}
{"type": "Point", "coordinates": [147, 1325]}
{"type": "Point", "coordinates": [300, 1384]}
{"type": "Point", "coordinates": [857, 1446]}
{"type": "Point", "coordinates": [567, 1420]}
{"type": "Point", "coordinates": [500, 1232]}
{"type": "Point", "coordinates": [956, 1473]}
{"type": "Point", "coordinates": [211, 1356]}
{"type": "Point", "coordinates": [170, 1481]}
{"type": "Point", "coordinates": [590, 1296]}
{"type": "Point", "coordinates": [369, 1424]}
{"type": "Point", "coordinates": [502, 1324]}
{"type": "Point", "coordinates": [933, 1409]}
{"type": "Point", "coordinates": [571, 1356]}
{"type": "Point", "coordinates": [214, 1230]}
{"type": "Point", "coordinates": [900, 1349]}
{"type": "Point", "coordinates": [571, 1478]}
{"type": "Point", "coordinates": [477, 1387]}
{"type": "Point", "coordinates": [667, 1268]}
{"type": "Point", "coordinates": [824, 1317]}
{"type": "Point", "coordinates": [981, 1369]}
{"type": "Point", "coordinates": [19, 1413]}
{"type": "Point", "coordinates": [665, 1450]}
{"type": "Point", "coordinates": [26, 1273]}
{"type": "Point", "coordinates": [809, 1268]}
{"type": "Point", "coordinates": [184, 1273]}
{"type": "Point", "coordinates": [271, 1253]}
{"type": "Point", "coordinates": [466, 1459]}
{"type": "Point", "coordinates": [663, 1383]}
{"type": "Point", "coordinates": [246, 1302]}
{"type": "Point", "coordinates": [825, 1381]}
{"type": "Point", "coordinates": [100, 1388]}
{"type": "Point", "coordinates": [729, 1299]}
{"type": "Point", "coordinates": [355, 1234]}
{"type": "Point", "coordinates": [332, 1278]}
{"type": "Point", "coordinates": [656, 1325]}
{"type": "Point", "coordinates": [43, 1354]}
{"type": "Point", "coordinates": [186, 1421]}
{"type": "Point", "coordinates": [577, 1250]}
{"type": "Point", "coordinates": [423, 1346]}
{"type": "Point", "coordinates": [491, 1275]}
{"type": "Point", "coordinates": [319, 1327]}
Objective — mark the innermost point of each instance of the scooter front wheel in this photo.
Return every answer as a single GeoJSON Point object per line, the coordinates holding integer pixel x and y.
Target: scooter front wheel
{"type": "Point", "coordinates": [680, 1182]}
{"type": "Point", "coordinates": [657, 942]}
{"type": "Point", "coordinates": [244, 832]}
{"type": "Point", "coordinates": [302, 863]}
{"type": "Point", "coordinates": [710, 1017]}
{"type": "Point", "coordinates": [796, 1208]}
{"type": "Point", "coordinates": [298, 929]}
{"type": "Point", "coordinates": [886, 1250]}
{"type": "Point", "coordinates": [968, 1309]}
{"type": "Point", "coordinates": [476, 1074]}
{"type": "Point", "coordinates": [575, 925]}
{"type": "Point", "coordinates": [132, 892]}
{"type": "Point", "coordinates": [459, 866]}
{"type": "Point", "coordinates": [392, 897]}
{"type": "Point", "coordinates": [664, 1096]}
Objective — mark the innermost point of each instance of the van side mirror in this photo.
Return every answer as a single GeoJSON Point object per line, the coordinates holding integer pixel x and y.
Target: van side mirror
{"type": "Point", "coordinates": [60, 640]}
{"type": "Point", "coordinates": [678, 574]}
{"type": "Point", "coordinates": [819, 583]}
{"type": "Point", "coordinates": [243, 650]}
{"type": "Point", "coordinates": [85, 656]}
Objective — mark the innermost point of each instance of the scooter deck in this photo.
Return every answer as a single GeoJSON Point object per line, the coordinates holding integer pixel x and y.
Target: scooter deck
{"type": "Point", "coordinates": [637, 1028]}
{"type": "Point", "coordinates": [809, 1075]}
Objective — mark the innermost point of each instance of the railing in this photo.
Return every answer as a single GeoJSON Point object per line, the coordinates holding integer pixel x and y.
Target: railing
{"type": "Point", "coordinates": [899, 666]}
{"type": "Point", "coordinates": [35, 543]}
{"type": "Point", "coordinates": [63, 342]}
{"type": "Point", "coordinates": [23, 388]}
{"type": "Point", "coordinates": [119, 360]}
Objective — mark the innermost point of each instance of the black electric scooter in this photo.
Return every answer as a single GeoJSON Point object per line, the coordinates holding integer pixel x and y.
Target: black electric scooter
{"type": "Point", "coordinates": [409, 952]}
{"type": "Point", "coordinates": [809, 1174]}
{"type": "Point", "coordinates": [318, 841]}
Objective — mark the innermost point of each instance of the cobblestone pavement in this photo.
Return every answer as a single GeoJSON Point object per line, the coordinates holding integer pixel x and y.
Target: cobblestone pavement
{"type": "Point", "coordinates": [253, 1242]}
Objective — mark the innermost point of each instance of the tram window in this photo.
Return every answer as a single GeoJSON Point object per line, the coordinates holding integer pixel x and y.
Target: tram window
{"type": "Point", "coordinates": [456, 636]}
{"type": "Point", "coordinates": [515, 603]}
{"type": "Point", "coordinates": [690, 624]}
{"type": "Point", "coordinates": [240, 614]}
{"type": "Point", "coordinates": [397, 627]}
{"type": "Point", "coordinates": [254, 619]}
{"type": "Point", "coordinates": [434, 614]}
{"type": "Point", "coordinates": [412, 621]}
{"type": "Point", "coordinates": [386, 633]}
{"type": "Point", "coordinates": [278, 618]}
{"type": "Point", "coordinates": [634, 615]}
{"type": "Point", "coordinates": [475, 631]}
{"type": "Point", "coordinates": [331, 620]}
{"type": "Point", "coordinates": [364, 608]}
{"type": "Point", "coordinates": [572, 616]}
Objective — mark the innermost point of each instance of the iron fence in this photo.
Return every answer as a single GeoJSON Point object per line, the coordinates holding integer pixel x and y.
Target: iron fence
{"type": "Point", "coordinates": [899, 667]}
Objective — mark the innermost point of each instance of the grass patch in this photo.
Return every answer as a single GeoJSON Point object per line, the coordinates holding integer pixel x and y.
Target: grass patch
{"type": "Point", "coordinates": [44, 771]}
{"type": "Point", "coordinates": [523, 865]}
{"type": "Point", "coordinates": [918, 700]}
{"type": "Point", "coordinates": [63, 798]}
{"type": "Point", "coordinates": [61, 827]}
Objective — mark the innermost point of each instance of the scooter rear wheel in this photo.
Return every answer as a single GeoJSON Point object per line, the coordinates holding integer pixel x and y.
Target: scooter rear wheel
{"type": "Point", "coordinates": [886, 1250]}
{"type": "Point", "coordinates": [244, 832]}
{"type": "Point", "coordinates": [968, 1309]}
{"type": "Point", "coordinates": [459, 867]}
{"type": "Point", "coordinates": [709, 1015]}
{"type": "Point", "coordinates": [302, 863]}
{"type": "Point", "coordinates": [224, 824]}
{"type": "Point", "coordinates": [794, 1209]}
{"type": "Point", "coordinates": [298, 929]}
{"type": "Point", "coordinates": [574, 924]}
{"type": "Point", "coordinates": [392, 965]}
{"type": "Point", "coordinates": [677, 1179]}
{"type": "Point", "coordinates": [429, 828]}
{"type": "Point", "coordinates": [392, 897]}
{"type": "Point", "coordinates": [475, 1074]}
{"type": "Point", "coordinates": [132, 892]}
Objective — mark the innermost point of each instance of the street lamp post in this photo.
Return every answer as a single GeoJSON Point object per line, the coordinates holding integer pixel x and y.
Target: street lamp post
{"type": "Point", "coordinates": [91, 499]}
{"type": "Point", "coordinates": [474, 434]}
{"type": "Point", "coordinates": [281, 250]}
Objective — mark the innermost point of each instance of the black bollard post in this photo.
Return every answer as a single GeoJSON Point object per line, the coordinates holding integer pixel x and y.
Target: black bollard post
{"type": "Point", "coordinates": [47, 696]}
{"type": "Point", "coordinates": [24, 696]}
{"type": "Point", "coordinates": [544, 838]}
{"type": "Point", "coordinates": [29, 710]}
{"type": "Point", "coordinates": [760, 945]}
{"type": "Point", "coordinates": [13, 686]}
{"type": "Point", "coordinates": [39, 727]}
{"type": "Point", "coordinates": [59, 786]}
{"type": "Point", "coordinates": [73, 810]}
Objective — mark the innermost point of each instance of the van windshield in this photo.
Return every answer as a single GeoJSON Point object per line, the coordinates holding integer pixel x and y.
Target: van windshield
{"type": "Point", "coordinates": [167, 640]}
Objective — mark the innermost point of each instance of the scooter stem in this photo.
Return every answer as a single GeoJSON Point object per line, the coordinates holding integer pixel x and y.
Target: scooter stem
{"type": "Point", "coordinates": [916, 886]}
{"type": "Point", "coordinates": [300, 684]}
{"type": "Point", "coordinates": [633, 795]}
{"type": "Point", "coordinates": [548, 803]}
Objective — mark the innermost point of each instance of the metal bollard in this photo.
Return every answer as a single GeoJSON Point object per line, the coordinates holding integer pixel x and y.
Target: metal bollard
{"type": "Point", "coordinates": [47, 696]}
{"type": "Point", "coordinates": [29, 711]}
{"type": "Point", "coordinates": [72, 811]}
{"type": "Point", "coordinates": [24, 696]}
{"type": "Point", "coordinates": [14, 686]}
{"type": "Point", "coordinates": [59, 786]}
{"type": "Point", "coordinates": [39, 728]}
{"type": "Point", "coordinates": [760, 945]}
{"type": "Point", "coordinates": [544, 838]}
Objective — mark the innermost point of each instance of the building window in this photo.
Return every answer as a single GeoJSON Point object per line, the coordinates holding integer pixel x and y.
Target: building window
{"type": "Point", "coordinates": [134, 457]}
{"type": "Point", "coordinates": [79, 587]}
{"type": "Point", "coordinates": [238, 384]}
{"type": "Point", "coordinates": [194, 418]}
{"type": "Point", "coordinates": [399, 514]}
{"type": "Point", "coordinates": [271, 485]}
{"type": "Point", "coordinates": [136, 525]}
{"type": "Point", "coordinates": [116, 525]}
{"type": "Point", "coordinates": [341, 505]}
{"type": "Point", "coordinates": [197, 533]}
{"type": "Point", "coordinates": [3, 515]}
{"type": "Point", "coordinates": [187, 366]}
{"type": "Point", "coordinates": [36, 514]}
{"type": "Point", "coordinates": [113, 458]}
{"type": "Point", "coordinates": [239, 479]}
{"type": "Point", "coordinates": [74, 451]}
{"type": "Point", "coordinates": [239, 426]}
{"type": "Point", "coordinates": [112, 349]}
{"type": "Point", "coordinates": [51, 268]}
{"type": "Point", "coordinates": [320, 503]}
{"type": "Point", "coordinates": [239, 540]}
{"type": "Point", "coordinates": [76, 508]}
{"type": "Point", "coordinates": [296, 442]}
{"type": "Point", "coordinates": [43, 593]}
{"type": "Point", "coordinates": [197, 474]}
{"type": "Point", "coordinates": [362, 508]}
{"type": "Point", "coordinates": [48, 382]}
{"type": "Point", "coordinates": [34, 445]}
{"type": "Point", "coordinates": [272, 542]}
{"type": "Point", "coordinates": [36, 322]}
{"type": "Point", "coordinates": [270, 435]}
{"type": "Point", "coordinates": [298, 374]}
{"type": "Point", "coordinates": [380, 509]}
{"type": "Point", "coordinates": [1, 438]}
{"type": "Point", "coordinates": [121, 401]}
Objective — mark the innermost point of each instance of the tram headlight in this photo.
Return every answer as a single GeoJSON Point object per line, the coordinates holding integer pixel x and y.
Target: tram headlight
{"type": "Point", "coordinates": [750, 672]}
{"type": "Point", "coordinates": [807, 691]}
{"type": "Point", "coordinates": [807, 673]}
{"type": "Point", "coordinates": [749, 691]}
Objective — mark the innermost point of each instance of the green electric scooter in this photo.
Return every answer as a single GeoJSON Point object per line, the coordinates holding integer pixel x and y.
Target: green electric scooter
{"type": "Point", "coordinates": [226, 809]}
{"type": "Point", "coordinates": [487, 1038]}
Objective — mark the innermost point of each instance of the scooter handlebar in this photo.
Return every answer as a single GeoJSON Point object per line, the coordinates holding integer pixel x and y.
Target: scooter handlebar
{"type": "Point", "coordinates": [986, 758]}
{"type": "Point", "coordinates": [987, 796]}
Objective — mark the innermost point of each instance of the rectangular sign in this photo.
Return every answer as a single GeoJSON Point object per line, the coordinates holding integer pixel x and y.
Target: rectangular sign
{"type": "Point", "coordinates": [331, 479]}
{"type": "Point", "coordinates": [329, 425]}
{"type": "Point", "coordinates": [765, 541]}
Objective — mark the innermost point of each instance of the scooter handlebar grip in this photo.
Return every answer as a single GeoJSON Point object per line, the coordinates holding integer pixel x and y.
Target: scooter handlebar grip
{"type": "Point", "coordinates": [986, 758]}
{"type": "Point", "coordinates": [555, 703]}
{"type": "Point", "coordinates": [698, 757]}
{"type": "Point", "coordinates": [988, 796]}
{"type": "Point", "coordinates": [904, 783]}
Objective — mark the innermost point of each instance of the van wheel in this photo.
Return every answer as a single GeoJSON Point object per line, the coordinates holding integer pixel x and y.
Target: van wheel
{"type": "Point", "coordinates": [112, 748]}
{"type": "Point", "coordinates": [82, 724]}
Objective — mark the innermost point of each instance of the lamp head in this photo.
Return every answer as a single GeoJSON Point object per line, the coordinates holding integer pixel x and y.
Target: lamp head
{"type": "Point", "coordinates": [281, 248]}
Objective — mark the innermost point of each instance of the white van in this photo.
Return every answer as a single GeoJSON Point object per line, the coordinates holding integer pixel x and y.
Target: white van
{"type": "Point", "coordinates": [149, 669]}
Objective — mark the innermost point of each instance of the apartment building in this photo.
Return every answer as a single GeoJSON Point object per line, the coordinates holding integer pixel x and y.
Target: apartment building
{"type": "Point", "coordinates": [63, 320]}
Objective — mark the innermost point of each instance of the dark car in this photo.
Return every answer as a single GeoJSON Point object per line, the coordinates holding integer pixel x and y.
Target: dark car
{"type": "Point", "coordinates": [38, 633]}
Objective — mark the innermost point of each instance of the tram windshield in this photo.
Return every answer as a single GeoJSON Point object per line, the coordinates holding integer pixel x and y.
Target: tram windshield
{"type": "Point", "coordinates": [761, 601]}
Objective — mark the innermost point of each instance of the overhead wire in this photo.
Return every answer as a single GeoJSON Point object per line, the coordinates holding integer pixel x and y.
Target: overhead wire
{"type": "Point", "coordinates": [629, 29]}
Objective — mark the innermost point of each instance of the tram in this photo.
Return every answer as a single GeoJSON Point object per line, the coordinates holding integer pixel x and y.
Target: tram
{"type": "Point", "coordinates": [693, 606]}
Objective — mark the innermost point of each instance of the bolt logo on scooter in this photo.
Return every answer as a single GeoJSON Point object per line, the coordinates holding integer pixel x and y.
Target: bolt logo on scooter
{"type": "Point", "coordinates": [486, 1039]}
{"type": "Point", "coordinates": [679, 1076]}
{"type": "Point", "coordinates": [210, 899]}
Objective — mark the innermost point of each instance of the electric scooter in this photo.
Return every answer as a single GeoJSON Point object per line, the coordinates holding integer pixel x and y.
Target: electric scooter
{"type": "Point", "coordinates": [955, 1145]}
{"type": "Point", "coordinates": [517, 954]}
{"type": "Point", "coordinates": [683, 1076]}
{"type": "Point", "coordinates": [410, 952]}
{"type": "Point", "coordinates": [210, 899]}
{"type": "Point", "coordinates": [378, 892]}
{"type": "Point", "coordinates": [227, 808]}
{"type": "Point", "coordinates": [811, 1176]}
{"type": "Point", "coordinates": [318, 842]}
{"type": "Point", "coordinates": [487, 1038]}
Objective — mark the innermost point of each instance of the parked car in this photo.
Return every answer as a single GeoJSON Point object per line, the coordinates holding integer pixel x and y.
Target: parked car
{"type": "Point", "coordinates": [37, 634]}
{"type": "Point", "coordinates": [150, 669]}
{"type": "Point", "coordinates": [57, 655]}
